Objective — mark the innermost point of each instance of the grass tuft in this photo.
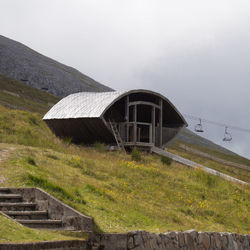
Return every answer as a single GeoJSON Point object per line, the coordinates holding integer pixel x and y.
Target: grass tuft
{"type": "Point", "coordinates": [38, 181]}
{"type": "Point", "coordinates": [166, 160]}
{"type": "Point", "coordinates": [207, 179]}
{"type": "Point", "coordinates": [135, 155]}
{"type": "Point", "coordinates": [100, 147]}
{"type": "Point", "coordinates": [30, 161]}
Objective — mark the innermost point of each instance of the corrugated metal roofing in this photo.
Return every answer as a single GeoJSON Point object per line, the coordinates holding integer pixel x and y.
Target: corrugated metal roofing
{"type": "Point", "coordinates": [82, 105]}
{"type": "Point", "coordinates": [93, 104]}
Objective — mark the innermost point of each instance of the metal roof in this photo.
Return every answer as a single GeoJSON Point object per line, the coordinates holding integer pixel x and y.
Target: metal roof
{"type": "Point", "coordinates": [93, 104]}
{"type": "Point", "coordinates": [82, 105]}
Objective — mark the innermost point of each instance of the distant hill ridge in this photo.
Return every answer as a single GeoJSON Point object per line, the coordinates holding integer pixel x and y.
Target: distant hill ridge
{"type": "Point", "coordinates": [21, 63]}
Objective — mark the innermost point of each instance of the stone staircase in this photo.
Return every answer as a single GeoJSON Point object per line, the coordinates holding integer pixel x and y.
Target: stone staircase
{"type": "Point", "coordinates": [26, 206]}
{"type": "Point", "coordinates": [26, 213]}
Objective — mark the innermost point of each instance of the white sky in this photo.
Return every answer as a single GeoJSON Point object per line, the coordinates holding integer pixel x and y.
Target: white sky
{"type": "Point", "coordinates": [194, 52]}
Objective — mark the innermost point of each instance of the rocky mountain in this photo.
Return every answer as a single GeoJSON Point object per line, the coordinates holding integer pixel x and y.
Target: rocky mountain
{"type": "Point", "coordinates": [21, 63]}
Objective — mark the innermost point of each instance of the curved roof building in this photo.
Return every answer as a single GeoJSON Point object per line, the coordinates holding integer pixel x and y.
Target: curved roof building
{"type": "Point", "coordinates": [128, 118]}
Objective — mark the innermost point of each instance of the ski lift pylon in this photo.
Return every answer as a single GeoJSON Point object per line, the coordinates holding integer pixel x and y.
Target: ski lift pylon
{"type": "Point", "coordinates": [227, 136]}
{"type": "Point", "coordinates": [198, 127]}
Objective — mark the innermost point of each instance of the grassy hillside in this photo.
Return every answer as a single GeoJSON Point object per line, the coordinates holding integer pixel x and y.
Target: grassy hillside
{"type": "Point", "coordinates": [195, 141]}
{"type": "Point", "coordinates": [190, 137]}
{"type": "Point", "coordinates": [17, 95]}
{"type": "Point", "coordinates": [224, 168]}
{"type": "Point", "coordinates": [120, 194]}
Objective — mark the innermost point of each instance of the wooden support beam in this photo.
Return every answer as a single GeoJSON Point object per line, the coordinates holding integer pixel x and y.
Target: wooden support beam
{"type": "Point", "coordinates": [150, 133]}
{"type": "Point", "coordinates": [153, 124]}
{"type": "Point", "coordinates": [144, 103]}
{"type": "Point", "coordinates": [160, 121]}
{"type": "Point", "coordinates": [127, 117]}
{"type": "Point", "coordinates": [135, 125]}
{"type": "Point", "coordinates": [139, 134]}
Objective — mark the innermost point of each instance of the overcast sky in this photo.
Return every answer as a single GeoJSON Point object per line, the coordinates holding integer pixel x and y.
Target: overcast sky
{"type": "Point", "coordinates": [196, 53]}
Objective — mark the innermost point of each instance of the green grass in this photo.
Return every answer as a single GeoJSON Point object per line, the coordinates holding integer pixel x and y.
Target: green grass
{"type": "Point", "coordinates": [166, 160]}
{"type": "Point", "coordinates": [225, 156]}
{"type": "Point", "coordinates": [239, 173]}
{"type": "Point", "coordinates": [11, 231]}
{"type": "Point", "coordinates": [120, 194]}
{"type": "Point", "coordinates": [25, 128]}
{"type": "Point", "coordinates": [17, 95]}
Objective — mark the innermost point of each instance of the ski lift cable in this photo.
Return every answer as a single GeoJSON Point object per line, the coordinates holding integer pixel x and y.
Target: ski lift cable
{"type": "Point", "coordinates": [217, 123]}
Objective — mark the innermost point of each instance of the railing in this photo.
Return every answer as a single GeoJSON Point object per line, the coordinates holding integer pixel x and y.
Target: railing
{"type": "Point", "coordinates": [135, 132]}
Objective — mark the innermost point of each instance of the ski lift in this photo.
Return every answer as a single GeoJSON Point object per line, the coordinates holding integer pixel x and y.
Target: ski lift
{"type": "Point", "coordinates": [227, 136]}
{"type": "Point", "coordinates": [198, 127]}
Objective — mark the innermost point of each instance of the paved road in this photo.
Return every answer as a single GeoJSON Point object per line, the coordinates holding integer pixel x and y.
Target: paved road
{"type": "Point", "coordinates": [192, 164]}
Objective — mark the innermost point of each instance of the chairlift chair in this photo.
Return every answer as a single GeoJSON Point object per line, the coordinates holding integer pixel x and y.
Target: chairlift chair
{"type": "Point", "coordinates": [227, 136]}
{"type": "Point", "coordinates": [198, 127]}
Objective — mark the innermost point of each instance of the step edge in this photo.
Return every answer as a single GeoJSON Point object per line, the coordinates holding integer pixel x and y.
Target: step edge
{"type": "Point", "coordinates": [40, 221]}
{"type": "Point", "coordinates": [25, 212]}
{"type": "Point", "coordinates": [17, 204]}
{"type": "Point", "coordinates": [10, 195]}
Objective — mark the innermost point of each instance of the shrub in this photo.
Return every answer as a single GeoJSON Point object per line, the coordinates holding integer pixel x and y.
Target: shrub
{"type": "Point", "coordinates": [100, 147]}
{"type": "Point", "coordinates": [54, 157]}
{"type": "Point", "coordinates": [208, 179]}
{"type": "Point", "coordinates": [30, 161]}
{"type": "Point", "coordinates": [67, 140]}
{"type": "Point", "coordinates": [166, 160]}
{"type": "Point", "coordinates": [135, 155]}
{"type": "Point", "coordinates": [76, 162]}
{"type": "Point", "coordinates": [33, 120]}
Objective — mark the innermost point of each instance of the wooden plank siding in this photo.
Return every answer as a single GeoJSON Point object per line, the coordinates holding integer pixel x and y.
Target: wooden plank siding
{"type": "Point", "coordinates": [87, 130]}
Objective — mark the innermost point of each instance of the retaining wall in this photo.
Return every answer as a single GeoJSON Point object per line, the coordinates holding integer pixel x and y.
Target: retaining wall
{"type": "Point", "coordinates": [141, 240]}
{"type": "Point", "coordinates": [188, 240]}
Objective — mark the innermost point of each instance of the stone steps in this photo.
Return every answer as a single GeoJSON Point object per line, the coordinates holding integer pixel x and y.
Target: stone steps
{"type": "Point", "coordinates": [32, 207]}
{"type": "Point", "coordinates": [20, 206]}
{"type": "Point", "coordinates": [4, 190]}
{"type": "Point", "coordinates": [42, 224]}
{"type": "Point", "coordinates": [27, 215]}
{"type": "Point", "coordinates": [10, 198]}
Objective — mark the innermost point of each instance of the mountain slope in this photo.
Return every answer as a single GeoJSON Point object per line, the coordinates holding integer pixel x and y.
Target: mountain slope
{"type": "Point", "coordinates": [190, 137]}
{"type": "Point", "coordinates": [19, 62]}
{"type": "Point", "coordinates": [17, 95]}
{"type": "Point", "coordinates": [120, 194]}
